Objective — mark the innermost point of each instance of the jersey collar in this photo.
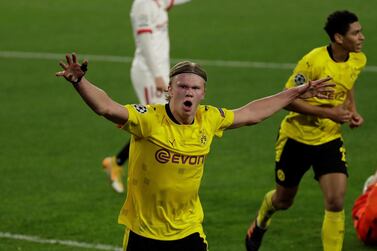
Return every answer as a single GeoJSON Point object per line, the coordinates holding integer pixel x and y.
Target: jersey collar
{"type": "Point", "coordinates": [171, 116]}
{"type": "Point", "coordinates": [329, 50]}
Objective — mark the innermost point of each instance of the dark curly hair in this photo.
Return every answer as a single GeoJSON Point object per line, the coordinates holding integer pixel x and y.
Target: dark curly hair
{"type": "Point", "coordinates": [339, 22]}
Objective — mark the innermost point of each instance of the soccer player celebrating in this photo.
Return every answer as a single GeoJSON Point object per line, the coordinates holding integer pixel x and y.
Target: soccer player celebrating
{"type": "Point", "coordinates": [169, 145]}
{"type": "Point", "coordinates": [149, 70]}
{"type": "Point", "coordinates": [310, 135]}
{"type": "Point", "coordinates": [364, 212]}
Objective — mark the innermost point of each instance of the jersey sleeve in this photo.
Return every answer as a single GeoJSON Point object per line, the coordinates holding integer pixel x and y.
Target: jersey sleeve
{"type": "Point", "coordinates": [143, 28]}
{"type": "Point", "coordinates": [302, 73]}
{"type": "Point", "coordinates": [142, 17]}
{"type": "Point", "coordinates": [146, 41]}
{"type": "Point", "coordinates": [360, 60]}
{"type": "Point", "coordinates": [139, 122]}
{"type": "Point", "coordinates": [220, 118]}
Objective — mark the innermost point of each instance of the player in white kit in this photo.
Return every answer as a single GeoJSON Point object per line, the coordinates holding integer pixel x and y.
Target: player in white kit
{"type": "Point", "coordinates": [150, 67]}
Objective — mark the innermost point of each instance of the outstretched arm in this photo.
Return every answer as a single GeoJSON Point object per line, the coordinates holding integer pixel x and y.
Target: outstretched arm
{"type": "Point", "coordinates": [93, 96]}
{"type": "Point", "coordinates": [258, 110]}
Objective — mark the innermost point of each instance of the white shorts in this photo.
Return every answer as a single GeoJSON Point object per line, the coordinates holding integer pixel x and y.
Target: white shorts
{"type": "Point", "coordinates": [144, 86]}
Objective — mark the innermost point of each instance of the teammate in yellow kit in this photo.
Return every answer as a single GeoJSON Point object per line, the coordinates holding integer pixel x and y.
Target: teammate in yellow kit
{"type": "Point", "coordinates": [169, 145]}
{"type": "Point", "coordinates": [310, 135]}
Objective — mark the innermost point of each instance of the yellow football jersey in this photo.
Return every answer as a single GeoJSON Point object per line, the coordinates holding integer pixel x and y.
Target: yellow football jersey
{"type": "Point", "coordinates": [165, 169]}
{"type": "Point", "coordinates": [315, 65]}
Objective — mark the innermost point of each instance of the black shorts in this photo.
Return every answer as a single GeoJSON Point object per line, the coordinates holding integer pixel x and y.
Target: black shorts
{"type": "Point", "coordinates": [192, 242]}
{"type": "Point", "coordinates": [296, 158]}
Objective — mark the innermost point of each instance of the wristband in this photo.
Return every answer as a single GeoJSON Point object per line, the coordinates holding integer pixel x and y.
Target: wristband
{"type": "Point", "coordinates": [84, 68]}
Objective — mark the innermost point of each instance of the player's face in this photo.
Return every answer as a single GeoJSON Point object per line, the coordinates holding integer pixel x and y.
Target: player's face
{"type": "Point", "coordinates": [186, 91]}
{"type": "Point", "coordinates": [353, 39]}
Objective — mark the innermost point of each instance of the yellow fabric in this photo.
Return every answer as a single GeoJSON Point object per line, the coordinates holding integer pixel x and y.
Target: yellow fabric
{"type": "Point", "coordinates": [165, 170]}
{"type": "Point", "coordinates": [126, 238]}
{"type": "Point", "coordinates": [333, 231]}
{"type": "Point", "coordinates": [315, 65]}
{"type": "Point", "coordinates": [266, 210]}
{"type": "Point", "coordinates": [279, 147]}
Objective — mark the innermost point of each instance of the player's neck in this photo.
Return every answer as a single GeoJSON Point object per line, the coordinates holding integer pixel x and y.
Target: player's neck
{"type": "Point", "coordinates": [338, 53]}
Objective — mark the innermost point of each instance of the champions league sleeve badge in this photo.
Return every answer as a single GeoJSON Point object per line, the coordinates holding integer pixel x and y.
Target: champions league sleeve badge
{"type": "Point", "coordinates": [140, 108]}
{"type": "Point", "coordinates": [300, 79]}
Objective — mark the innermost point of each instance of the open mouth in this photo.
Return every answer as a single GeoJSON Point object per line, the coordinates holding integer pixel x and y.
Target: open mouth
{"type": "Point", "coordinates": [187, 103]}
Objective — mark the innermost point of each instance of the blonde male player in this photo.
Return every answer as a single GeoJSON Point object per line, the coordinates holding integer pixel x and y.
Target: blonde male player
{"type": "Point", "coordinates": [149, 70]}
{"type": "Point", "coordinates": [310, 135]}
{"type": "Point", "coordinates": [169, 145]}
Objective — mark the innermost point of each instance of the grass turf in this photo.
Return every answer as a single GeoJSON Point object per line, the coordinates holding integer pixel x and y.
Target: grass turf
{"type": "Point", "coordinates": [51, 146]}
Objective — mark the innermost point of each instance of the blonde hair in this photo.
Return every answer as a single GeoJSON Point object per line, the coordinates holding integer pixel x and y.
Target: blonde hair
{"type": "Point", "coordinates": [187, 67]}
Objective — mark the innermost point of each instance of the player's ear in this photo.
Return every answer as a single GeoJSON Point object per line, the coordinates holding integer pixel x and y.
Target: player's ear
{"type": "Point", "coordinates": [204, 93]}
{"type": "Point", "coordinates": [338, 38]}
{"type": "Point", "coordinates": [170, 92]}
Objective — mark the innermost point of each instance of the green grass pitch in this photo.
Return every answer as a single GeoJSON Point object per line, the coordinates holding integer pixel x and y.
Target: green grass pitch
{"type": "Point", "coordinates": [51, 144]}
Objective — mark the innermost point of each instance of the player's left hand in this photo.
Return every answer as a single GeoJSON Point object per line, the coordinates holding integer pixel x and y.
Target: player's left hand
{"type": "Point", "coordinates": [320, 88]}
{"type": "Point", "coordinates": [161, 87]}
{"type": "Point", "coordinates": [73, 71]}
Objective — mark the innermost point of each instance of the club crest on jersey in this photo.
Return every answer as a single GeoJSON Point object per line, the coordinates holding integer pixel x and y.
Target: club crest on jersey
{"type": "Point", "coordinates": [300, 79]}
{"type": "Point", "coordinates": [280, 174]}
{"type": "Point", "coordinates": [140, 108]}
{"type": "Point", "coordinates": [203, 139]}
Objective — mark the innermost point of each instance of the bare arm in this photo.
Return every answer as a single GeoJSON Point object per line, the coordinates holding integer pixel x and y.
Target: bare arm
{"type": "Point", "coordinates": [93, 96]}
{"type": "Point", "coordinates": [258, 110]}
{"type": "Point", "coordinates": [338, 114]}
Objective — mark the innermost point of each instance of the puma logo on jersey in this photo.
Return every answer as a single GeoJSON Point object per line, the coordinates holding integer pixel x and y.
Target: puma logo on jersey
{"type": "Point", "coordinates": [172, 142]}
